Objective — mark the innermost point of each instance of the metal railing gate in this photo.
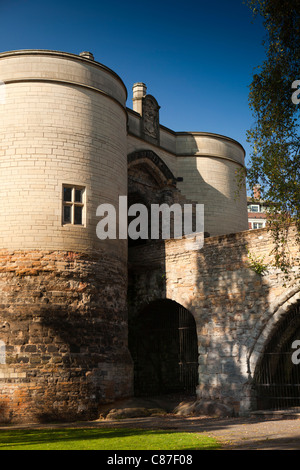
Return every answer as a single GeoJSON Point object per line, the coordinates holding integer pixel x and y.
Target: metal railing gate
{"type": "Point", "coordinates": [164, 349]}
{"type": "Point", "coordinates": [277, 378]}
{"type": "Point", "coordinates": [188, 351]}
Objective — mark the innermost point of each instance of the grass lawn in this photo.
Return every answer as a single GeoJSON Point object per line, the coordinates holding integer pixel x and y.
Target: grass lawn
{"type": "Point", "coordinates": [103, 439]}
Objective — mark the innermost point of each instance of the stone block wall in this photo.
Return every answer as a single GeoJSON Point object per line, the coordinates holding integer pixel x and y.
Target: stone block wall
{"type": "Point", "coordinates": [63, 321]}
{"type": "Point", "coordinates": [208, 167]}
{"type": "Point", "coordinates": [63, 123]}
{"type": "Point", "coordinates": [235, 308]}
{"type": "Point", "coordinates": [63, 291]}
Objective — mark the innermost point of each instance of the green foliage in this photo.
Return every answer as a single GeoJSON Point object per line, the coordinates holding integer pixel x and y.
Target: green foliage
{"type": "Point", "coordinates": [274, 137]}
{"type": "Point", "coordinates": [103, 439]}
{"type": "Point", "coordinates": [257, 264]}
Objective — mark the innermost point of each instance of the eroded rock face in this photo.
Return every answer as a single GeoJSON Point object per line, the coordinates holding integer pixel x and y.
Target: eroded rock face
{"type": "Point", "coordinates": [164, 405]}
{"type": "Point", "coordinates": [204, 408]}
{"type": "Point", "coordinates": [132, 413]}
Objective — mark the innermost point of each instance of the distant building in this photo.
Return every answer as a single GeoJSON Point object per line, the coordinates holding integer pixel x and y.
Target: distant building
{"type": "Point", "coordinates": [257, 210]}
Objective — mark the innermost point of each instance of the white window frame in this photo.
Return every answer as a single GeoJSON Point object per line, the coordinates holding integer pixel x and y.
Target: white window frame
{"type": "Point", "coordinates": [256, 206]}
{"type": "Point", "coordinates": [258, 223]}
{"type": "Point", "coordinates": [72, 204]}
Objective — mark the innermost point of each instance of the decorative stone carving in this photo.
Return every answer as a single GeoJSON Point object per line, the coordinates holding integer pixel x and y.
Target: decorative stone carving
{"type": "Point", "coordinates": [150, 123]}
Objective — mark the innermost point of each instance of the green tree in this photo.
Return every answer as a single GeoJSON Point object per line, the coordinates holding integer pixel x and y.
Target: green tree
{"type": "Point", "coordinates": [274, 138]}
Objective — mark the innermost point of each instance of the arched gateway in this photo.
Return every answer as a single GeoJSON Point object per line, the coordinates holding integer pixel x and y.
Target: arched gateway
{"type": "Point", "coordinates": [163, 344]}
{"type": "Point", "coordinates": [277, 374]}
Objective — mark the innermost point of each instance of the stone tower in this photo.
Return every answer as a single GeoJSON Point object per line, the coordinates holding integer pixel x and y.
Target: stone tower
{"type": "Point", "coordinates": [63, 320]}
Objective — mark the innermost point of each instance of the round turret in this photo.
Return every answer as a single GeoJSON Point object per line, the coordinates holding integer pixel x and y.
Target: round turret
{"type": "Point", "coordinates": [63, 291]}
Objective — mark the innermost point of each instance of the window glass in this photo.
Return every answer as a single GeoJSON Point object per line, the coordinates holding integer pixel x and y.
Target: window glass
{"type": "Point", "coordinates": [78, 195]}
{"type": "Point", "coordinates": [73, 211]}
{"type": "Point", "coordinates": [67, 194]}
{"type": "Point", "coordinates": [78, 215]}
{"type": "Point", "coordinates": [67, 214]}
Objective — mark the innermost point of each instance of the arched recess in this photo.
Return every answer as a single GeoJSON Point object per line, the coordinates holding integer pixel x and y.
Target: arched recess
{"type": "Point", "coordinates": [276, 377]}
{"type": "Point", "coordinates": [150, 181]}
{"type": "Point", "coordinates": [164, 347]}
{"type": "Point", "coordinates": [160, 172]}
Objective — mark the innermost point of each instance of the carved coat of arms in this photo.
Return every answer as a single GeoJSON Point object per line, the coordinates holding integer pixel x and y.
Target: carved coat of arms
{"type": "Point", "coordinates": [151, 117]}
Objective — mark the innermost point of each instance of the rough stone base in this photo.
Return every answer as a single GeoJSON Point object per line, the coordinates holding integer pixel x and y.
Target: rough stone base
{"type": "Point", "coordinates": [63, 324]}
{"type": "Point", "coordinates": [204, 408]}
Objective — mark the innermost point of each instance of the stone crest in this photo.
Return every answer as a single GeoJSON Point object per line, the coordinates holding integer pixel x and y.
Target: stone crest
{"type": "Point", "coordinates": [150, 121]}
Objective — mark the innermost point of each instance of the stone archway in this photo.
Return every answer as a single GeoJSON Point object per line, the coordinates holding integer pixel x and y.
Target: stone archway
{"type": "Point", "coordinates": [150, 181]}
{"type": "Point", "coordinates": [163, 344]}
{"type": "Point", "coordinates": [276, 378]}
{"type": "Point", "coordinates": [159, 170]}
{"type": "Point", "coordinates": [150, 178]}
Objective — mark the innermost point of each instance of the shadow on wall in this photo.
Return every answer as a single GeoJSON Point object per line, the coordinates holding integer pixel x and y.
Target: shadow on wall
{"type": "Point", "coordinates": [229, 301]}
{"type": "Point", "coordinates": [161, 270]}
{"type": "Point", "coordinates": [228, 305]}
{"type": "Point", "coordinates": [233, 307]}
{"type": "Point", "coordinates": [212, 180]}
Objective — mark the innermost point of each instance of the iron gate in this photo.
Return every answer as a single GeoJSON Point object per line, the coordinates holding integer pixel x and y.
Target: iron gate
{"type": "Point", "coordinates": [188, 350]}
{"type": "Point", "coordinates": [163, 344]}
{"type": "Point", "coordinates": [277, 378]}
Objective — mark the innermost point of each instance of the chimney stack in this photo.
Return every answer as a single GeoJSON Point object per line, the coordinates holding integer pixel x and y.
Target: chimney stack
{"type": "Point", "coordinates": [139, 91]}
{"type": "Point", "coordinates": [256, 192]}
{"type": "Point", "coordinates": [87, 55]}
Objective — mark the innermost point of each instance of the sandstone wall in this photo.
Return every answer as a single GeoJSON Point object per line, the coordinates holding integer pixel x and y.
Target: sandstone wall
{"type": "Point", "coordinates": [235, 308]}
{"type": "Point", "coordinates": [209, 165]}
{"type": "Point", "coordinates": [63, 122]}
{"type": "Point", "coordinates": [64, 326]}
{"type": "Point", "coordinates": [63, 291]}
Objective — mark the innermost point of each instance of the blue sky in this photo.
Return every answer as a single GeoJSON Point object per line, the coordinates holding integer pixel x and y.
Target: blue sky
{"type": "Point", "coordinates": [196, 57]}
